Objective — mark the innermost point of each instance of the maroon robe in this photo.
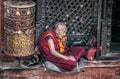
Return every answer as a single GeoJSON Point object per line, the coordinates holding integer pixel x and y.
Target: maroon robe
{"type": "Point", "coordinates": [64, 65]}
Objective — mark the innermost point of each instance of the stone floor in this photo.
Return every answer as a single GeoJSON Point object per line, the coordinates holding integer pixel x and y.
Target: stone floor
{"type": "Point", "coordinates": [17, 65]}
{"type": "Point", "coordinates": [92, 70]}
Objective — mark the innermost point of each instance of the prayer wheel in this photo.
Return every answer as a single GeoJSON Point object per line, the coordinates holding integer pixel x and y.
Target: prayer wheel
{"type": "Point", "coordinates": [19, 27]}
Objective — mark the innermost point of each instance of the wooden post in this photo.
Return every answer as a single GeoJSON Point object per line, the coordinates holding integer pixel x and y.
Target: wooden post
{"type": "Point", "coordinates": [1, 24]}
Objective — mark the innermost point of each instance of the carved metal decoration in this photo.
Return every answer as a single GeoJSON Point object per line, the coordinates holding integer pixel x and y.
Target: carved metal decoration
{"type": "Point", "coordinates": [19, 27]}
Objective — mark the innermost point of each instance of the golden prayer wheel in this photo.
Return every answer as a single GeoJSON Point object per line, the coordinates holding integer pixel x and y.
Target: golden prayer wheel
{"type": "Point", "coordinates": [19, 27]}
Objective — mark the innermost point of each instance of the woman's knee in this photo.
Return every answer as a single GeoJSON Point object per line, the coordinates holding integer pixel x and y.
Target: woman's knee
{"type": "Point", "coordinates": [72, 64]}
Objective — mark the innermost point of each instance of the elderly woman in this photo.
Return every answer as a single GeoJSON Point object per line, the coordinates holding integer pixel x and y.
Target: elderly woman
{"type": "Point", "coordinates": [53, 48]}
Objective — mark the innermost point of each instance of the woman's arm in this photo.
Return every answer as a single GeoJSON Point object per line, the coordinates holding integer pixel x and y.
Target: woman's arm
{"type": "Point", "coordinates": [56, 53]}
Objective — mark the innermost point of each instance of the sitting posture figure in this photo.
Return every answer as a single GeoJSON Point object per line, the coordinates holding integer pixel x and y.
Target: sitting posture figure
{"type": "Point", "coordinates": [52, 45]}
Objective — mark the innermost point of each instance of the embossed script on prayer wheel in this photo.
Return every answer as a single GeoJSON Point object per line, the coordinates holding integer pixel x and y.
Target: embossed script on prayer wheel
{"type": "Point", "coordinates": [19, 28]}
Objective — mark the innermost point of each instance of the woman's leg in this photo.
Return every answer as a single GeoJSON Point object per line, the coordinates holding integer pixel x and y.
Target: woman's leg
{"type": "Point", "coordinates": [77, 52]}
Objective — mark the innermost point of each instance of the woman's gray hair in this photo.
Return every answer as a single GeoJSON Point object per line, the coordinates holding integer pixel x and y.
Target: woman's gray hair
{"type": "Point", "coordinates": [60, 25]}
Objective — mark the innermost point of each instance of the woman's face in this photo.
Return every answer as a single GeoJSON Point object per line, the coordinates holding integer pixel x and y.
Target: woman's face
{"type": "Point", "coordinates": [60, 33]}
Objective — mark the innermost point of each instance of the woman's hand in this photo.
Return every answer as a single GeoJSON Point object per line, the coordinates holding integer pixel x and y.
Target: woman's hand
{"type": "Point", "coordinates": [64, 40]}
{"type": "Point", "coordinates": [72, 58]}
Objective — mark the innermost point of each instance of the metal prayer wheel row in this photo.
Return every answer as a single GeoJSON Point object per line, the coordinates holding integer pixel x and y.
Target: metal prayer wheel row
{"type": "Point", "coordinates": [19, 27]}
